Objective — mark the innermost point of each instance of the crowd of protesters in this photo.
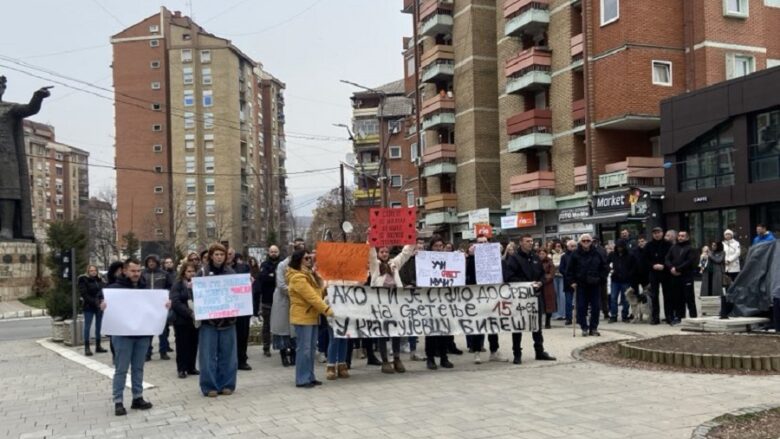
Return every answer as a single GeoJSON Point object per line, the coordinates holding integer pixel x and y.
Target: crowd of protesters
{"type": "Point", "coordinates": [573, 278]}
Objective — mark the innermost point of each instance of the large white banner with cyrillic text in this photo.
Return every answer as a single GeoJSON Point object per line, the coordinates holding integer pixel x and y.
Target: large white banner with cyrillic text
{"type": "Point", "coordinates": [361, 311]}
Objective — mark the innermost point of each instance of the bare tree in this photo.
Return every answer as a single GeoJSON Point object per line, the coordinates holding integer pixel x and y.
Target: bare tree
{"type": "Point", "coordinates": [326, 224]}
{"type": "Point", "coordinates": [101, 217]}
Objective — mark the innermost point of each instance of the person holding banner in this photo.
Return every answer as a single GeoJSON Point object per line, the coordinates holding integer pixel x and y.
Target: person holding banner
{"type": "Point", "coordinates": [386, 273]}
{"type": "Point", "coordinates": [218, 355]}
{"type": "Point", "coordinates": [437, 345]}
{"type": "Point", "coordinates": [184, 321]}
{"type": "Point", "coordinates": [130, 350]}
{"type": "Point", "coordinates": [306, 291]}
{"type": "Point", "coordinates": [524, 266]}
{"type": "Point", "coordinates": [476, 342]}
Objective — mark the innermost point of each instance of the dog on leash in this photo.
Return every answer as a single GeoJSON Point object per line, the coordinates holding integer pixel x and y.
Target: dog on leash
{"type": "Point", "coordinates": [640, 304]}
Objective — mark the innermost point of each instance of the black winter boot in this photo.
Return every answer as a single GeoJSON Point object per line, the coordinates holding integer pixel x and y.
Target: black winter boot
{"type": "Point", "coordinates": [285, 359]}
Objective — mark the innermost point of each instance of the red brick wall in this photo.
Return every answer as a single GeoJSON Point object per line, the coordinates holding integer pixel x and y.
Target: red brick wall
{"type": "Point", "coordinates": [657, 22]}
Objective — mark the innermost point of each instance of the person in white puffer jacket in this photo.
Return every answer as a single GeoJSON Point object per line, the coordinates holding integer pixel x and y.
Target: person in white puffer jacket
{"type": "Point", "coordinates": [733, 252]}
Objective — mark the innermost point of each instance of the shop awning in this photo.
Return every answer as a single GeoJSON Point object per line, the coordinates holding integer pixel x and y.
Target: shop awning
{"type": "Point", "coordinates": [612, 217]}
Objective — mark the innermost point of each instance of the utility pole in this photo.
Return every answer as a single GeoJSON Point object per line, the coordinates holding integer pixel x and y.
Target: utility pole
{"type": "Point", "coordinates": [343, 204]}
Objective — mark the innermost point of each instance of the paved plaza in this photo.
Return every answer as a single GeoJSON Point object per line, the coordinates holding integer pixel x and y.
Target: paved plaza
{"type": "Point", "coordinates": [47, 395]}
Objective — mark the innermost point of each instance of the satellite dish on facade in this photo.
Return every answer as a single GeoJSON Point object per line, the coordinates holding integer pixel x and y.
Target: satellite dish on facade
{"type": "Point", "coordinates": [346, 226]}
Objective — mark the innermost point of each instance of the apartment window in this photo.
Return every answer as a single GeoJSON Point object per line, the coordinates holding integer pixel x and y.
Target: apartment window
{"type": "Point", "coordinates": [189, 164]}
{"type": "Point", "coordinates": [738, 65]}
{"type": "Point", "coordinates": [155, 85]}
{"type": "Point", "coordinates": [189, 185]}
{"type": "Point", "coordinates": [186, 55]}
{"type": "Point", "coordinates": [208, 162]}
{"type": "Point", "coordinates": [764, 149]}
{"type": "Point", "coordinates": [610, 11]}
{"type": "Point", "coordinates": [205, 73]}
{"type": "Point", "coordinates": [735, 8]}
{"type": "Point", "coordinates": [396, 181]}
{"type": "Point", "coordinates": [772, 3]}
{"type": "Point", "coordinates": [186, 37]}
{"type": "Point", "coordinates": [154, 43]}
{"type": "Point", "coordinates": [157, 127]}
{"type": "Point", "coordinates": [205, 56]}
{"type": "Point", "coordinates": [187, 76]}
{"type": "Point", "coordinates": [158, 189]}
{"type": "Point", "coordinates": [190, 207]}
{"type": "Point", "coordinates": [208, 98]}
{"type": "Point", "coordinates": [395, 152]}
{"type": "Point", "coordinates": [410, 199]}
{"type": "Point", "coordinates": [210, 186]}
{"type": "Point", "coordinates": [662, 73]}
{"type": "Point", "coordinates": [366, 127]}
{"type": "Point", "coordinates": [157, 148]}
{"type": "Point", "coordinates": [192, 229]}
{"type": "Point", "coordinates": [154, 28]}
{"type": "Point", "coordinates": [211, 229]}
{"type": "Point", "coordinates": [208, 121]}
{"type": "Point", "coordinates": [189, 98]}
{"type": "Point", "coordinates": [211, 207]}
{"type": "Point", "coordinates": [708, 162]}
{"type": "Point", "coordinates": [154, 64]}
{"type": "Point", "coordinates": [158, 169]}
{"type": "Point", "coordinates": [189, 119]}
{"type": "Point", "coordinates": [58, 170]}
{"type": "Point", "coordinates": [189, 141]}
{"type": "Point", "coordinates": [159, 210]}
{"type": "Point", "coordinates": [395, 205]}
{"type": "Point", "coordinates": [208, 141]}
{"type": "Point", "coordinates": [410, 66]}
{"type": "Point", "coordinates": [156, 107]}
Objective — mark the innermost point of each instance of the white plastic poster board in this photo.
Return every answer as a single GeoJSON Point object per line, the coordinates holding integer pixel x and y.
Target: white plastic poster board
{"type": "Point", "coordinates": [487, 262]}
{"type": "Point", "coordinates": [219, 297]}
{"type": "Point", "coordinates": [134, 312]}
{"type": "Point", "coordinates": [440, 269]}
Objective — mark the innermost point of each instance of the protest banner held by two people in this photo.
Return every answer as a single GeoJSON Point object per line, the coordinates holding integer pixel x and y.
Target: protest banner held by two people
{"type": "Point", "coordinates": [441, 304]}
{"type": "Point", "coordinates": [143, 312]}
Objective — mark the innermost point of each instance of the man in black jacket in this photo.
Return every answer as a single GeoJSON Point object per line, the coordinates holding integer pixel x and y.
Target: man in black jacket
{"type": "Point", "coordinates": [242, 323]}
{"type": "Point", "coordinates": [655, 257]}
{"type": "Point", "coordinates": [623, 267]}
{"type": "Point", "coordinates": [130, 350]}
{"type": "Point", "coordinates": [476, 342]}
{"type": "Point", "coordinates": [681, 261]}
{"type": "Point", "coordinates": [263, 293]}
{"type": "Point", "coordinates": [524, 266]}
{"type": "Point", "coordinates": [586, 271]}
{"type": "Point", "coordinates": [155, 278]}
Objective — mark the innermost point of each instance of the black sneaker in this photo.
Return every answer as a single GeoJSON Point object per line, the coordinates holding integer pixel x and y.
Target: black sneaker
{"type": "Point", "coordinates": [612, 320]}
{"type": "Point", "coordinates": [244, 367]}
{"type": "Point", "coordinates": [544, 356]}
{"type": "Point", "coordinates": [518, 359]}
{"type": "Point", "coordinates": [164, 356]}
{"type": "Point", "coordinates": [119, 409]}
{"type": "Point", "coordinates": [182, 374]}
{"type": "Point", "coordinates": [304, 386]}
{"type": "Point", "coordinates": [316, 383]}
{"type": "Point", "coordinates": [595, 333]}
{"type": "Point", "coordinates": [148, 357]}
{"type": "Point", "coordinates": [431, 364]}
{"type": "Point", "coordinates": [193, 372]}
{"type": "Point", "coordinates": [140, 404]}
{"type": "Point", "coordinates": [445, 363]}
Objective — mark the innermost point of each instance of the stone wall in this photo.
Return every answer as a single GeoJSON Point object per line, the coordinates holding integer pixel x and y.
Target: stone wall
{"type": "Point", "coordinates": [18, 269]}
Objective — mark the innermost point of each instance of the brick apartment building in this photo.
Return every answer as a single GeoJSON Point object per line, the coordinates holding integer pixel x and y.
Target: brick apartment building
{"type": "Point", "coordinates": [383, 138]}
{"type": "Point", "coordinates": [550, 108]}
{"type": "Point", "coordinates": [194, 164]}
{"type": "Point", "coordinates": [59, 178]}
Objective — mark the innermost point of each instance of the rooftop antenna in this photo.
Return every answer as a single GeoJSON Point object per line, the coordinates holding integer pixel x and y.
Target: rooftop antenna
{"type": "Point", "coordinates": [188, 3]}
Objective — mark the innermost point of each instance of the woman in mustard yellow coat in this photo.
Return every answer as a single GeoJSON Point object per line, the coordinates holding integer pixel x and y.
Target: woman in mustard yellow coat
{"type": "Point", "coordinates": [306, 291]}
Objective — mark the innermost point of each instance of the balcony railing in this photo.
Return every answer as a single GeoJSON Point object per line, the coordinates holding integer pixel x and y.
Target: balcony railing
{"type": "Point", "coordinates": [581, 178]}
{"type": "Point", "coordinates": [530, 129]}
{"type": "Point", "coordinates": [525, 16]}
{"type": "Point", "coordinates": [438, 110]}
{"type": "Point", "coordinates": [436, 17]}
{"type": "Point", "coordinates": [534, 191]}
{"type": "Point", "coordinates": [528, 70]}
{"type": "Point", "coordinates": [576, 48]}
{"type": "Point", "coordinates": [578, 112]}
{"type": "Point", "coordinates": [437, 63]}
{"type": "Point", "coordinates": [439, 168]}
{"type": "Point", "coordinates": [441, 201]}
{"type": "Point", "coordinates": [364, 194]}
{"type": "Point", "coordinates": [633, 171]}
{"type": "Point", "coordinates": [438, 218]}
{"type": "Point", "coordinates": [442, 151]}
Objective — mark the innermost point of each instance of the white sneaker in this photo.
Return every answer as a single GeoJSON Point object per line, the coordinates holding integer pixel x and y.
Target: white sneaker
{"type": "Point", "coordinates": [405, 348]}
{"type": "Point", "coordinates": [415, 357]}
{"type": "Point", "coordinates": [496, 356]}
{"type": "Point", "coordinates": [477, 360]}
{"type": "Point", "coordinates": [322, 358]}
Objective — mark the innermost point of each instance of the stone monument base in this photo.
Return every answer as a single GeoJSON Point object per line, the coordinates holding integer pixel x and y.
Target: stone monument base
{"type": "Point", "coordinates": [18, 269]}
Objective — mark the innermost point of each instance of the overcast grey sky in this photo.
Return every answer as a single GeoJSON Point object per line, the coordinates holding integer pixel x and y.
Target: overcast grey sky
{"type": "Point", "coordinates": [308, 44]}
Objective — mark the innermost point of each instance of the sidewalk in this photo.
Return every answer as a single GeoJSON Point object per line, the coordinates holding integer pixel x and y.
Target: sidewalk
{"type": "Point", "coordinates": [46, 395]}
{"type": "Point", "coordinates": [13, 309]}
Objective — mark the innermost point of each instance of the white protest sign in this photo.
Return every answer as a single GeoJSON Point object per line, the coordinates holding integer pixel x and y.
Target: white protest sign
{"type": "Point", "coordinates": [362, 311]}
{"type": "Point", "coordinates": [219, 297]}
{"type": "Point", "coordinates": [440, 269]}
{"type": "Point", "coordinates": [487, 262]}
{"type": "Point", "coordinates": [134, 312]}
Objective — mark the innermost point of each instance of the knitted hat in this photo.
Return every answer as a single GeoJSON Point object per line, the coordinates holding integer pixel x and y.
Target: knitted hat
{"type": "Point", "coordinates": [728, 231]}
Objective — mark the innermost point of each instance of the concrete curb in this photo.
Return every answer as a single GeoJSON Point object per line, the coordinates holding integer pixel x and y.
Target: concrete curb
{"type": "Point", "coordinates": [89, 363]}
{"type": "Point", "coordinates": [23, 314]}
{"type": "Point", "coordinates": [704, 429]}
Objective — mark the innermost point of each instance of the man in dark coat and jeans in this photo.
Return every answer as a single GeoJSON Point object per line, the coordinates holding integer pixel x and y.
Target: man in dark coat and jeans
{"type": "Point", "coordinates": [655, 258]}
{"type": "Point", "coordinates": [155, 278]}
{"type": "Point", "coordinates": [524, 266]}
{"type": "Point", "coordinates": [681, 261]}
{"type": "Point", "coordinates": [586, 271]}
{"type": "Point", "coordinates": [263, 291]}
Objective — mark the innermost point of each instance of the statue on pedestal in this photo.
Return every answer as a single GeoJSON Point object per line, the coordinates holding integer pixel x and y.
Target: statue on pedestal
{"type": "Point", "coordinates": [15, 198]}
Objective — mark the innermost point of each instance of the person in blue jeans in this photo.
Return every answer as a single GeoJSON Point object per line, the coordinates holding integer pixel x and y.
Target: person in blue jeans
{"type": "Point", "coordinates": [306, 290]}
{"type": "Point", "coordinates": [623, 270]}
{"type": "Point", "coordinates": [337, 357]}
{"type": "Point", "coordinates": [571, 247]}
{"type": "Point", "coordinates": [91, 291]}
{"type": "Point", "coordinates": [217, 353]}
{"type": "Point", "coordinates": [130, 351]}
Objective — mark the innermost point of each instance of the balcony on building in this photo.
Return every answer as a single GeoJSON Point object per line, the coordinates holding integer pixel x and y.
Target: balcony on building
{"type": "Point", "coordinates": [630, 121]}
{"type": "Point", "coordinates": [529, 70]}
{"type": "Point", "coordinates": [438, 111]}
{"type": "Point", "coordinates": [577, 50]}
{"type": "Point", "coordinates": [633, 172]}
{"type": "Point", "coordinates": [581, 178]}
{"type": "Point", "coordinates": [530, 129]}
{"type": "Point", "coordinates": [578, 113]}
{"type": "Point", "coordinates": [367, 194]}
{"type": "Point", "coordinates": [437, 63]}
{"type": "Point", "coordinates": [436, 17]}
{"type": "Point", "coordinates": [526, 16]}
{"type": "Point", "coordinates": [442, 151]}
{"type": "Point", "coordinates": [533, 191]}
{"type": "Point", "coordinates": [369, 167]}
{"type": "Point", "coordinates": [439, 167]}
{"type": "Point", "coordinates": [441, 209]}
